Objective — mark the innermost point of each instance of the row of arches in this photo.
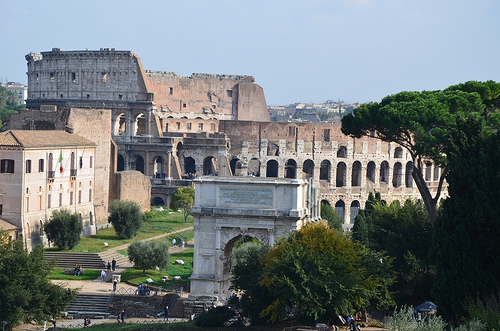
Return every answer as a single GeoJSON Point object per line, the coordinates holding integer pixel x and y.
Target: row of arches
{"type": "Point", "coordinates": [340, 209]}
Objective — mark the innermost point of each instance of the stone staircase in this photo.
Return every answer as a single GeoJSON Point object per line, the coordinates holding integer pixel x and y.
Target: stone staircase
{"type": "Point", "coordinates": [68, 260]}
{"type": "Point", "coordinates": [89, 305]}
{"type": "Point", "coordinates": [121, 260]}
{"type": "Point", "coordinates": [178, 309]}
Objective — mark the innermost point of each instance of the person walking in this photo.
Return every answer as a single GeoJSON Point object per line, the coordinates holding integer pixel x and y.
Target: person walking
{"type": "Point", "coordinates": [122, 315]}
{"type": "Point", "coordinates": [103, 275]}
{"type": "Point", "coordinates": [108, 266]}
{"type": "Point", "coordinates": [115, 282]}
{"type": "Point", "coordinates": [113, 264]}
{"type": "Point", "coordinates": [165, 316]}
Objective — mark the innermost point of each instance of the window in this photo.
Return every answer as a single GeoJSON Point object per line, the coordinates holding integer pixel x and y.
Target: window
{"type": "Point", "coordinates": [70, 198]}
{"type": "Point", "coordinates": [40, 165]}
{"type": "Point", "coordinates": [200, 127]}
{"type": "Point", "coordinates": [104, 77]}
{"type": "Point", "coordinates": [291, 131]}
{"type": "Point", "coordinates": [28, 166]}
{"type": "Point", "coordinates": [90, 195]}
{"type": "Point", "coordinates": [61, 96]}
{"type": "Point", "coordinates": [73, 77]}
{"type": "Point", "coordinates": [79, 197]}
{"type": "Point", "coordinates": [170, 90]}
{"type": "Point", "coordinates": [27, 204]}
{"type": "Point", "coordinates": [229, 93]}
{"type": "Point", "coordinates": [7, 166]}
{"type": "Point", "coordinates": [189, 126]}
{"type": "Point", "coordinates": [90, 162]}
{"type": "Point", "coordinates": [81, 162]}
{"type": "Point", "coordinates": [184, 105]}
{"type": "Point", "coordinates": [326, 135]}
{"type": "Point", "coordinates": [49, 200]}
{"type": "Point", "coordinates": [120, 96]}
{"type": "Point", "coordinates": [88, 96]}
{"type": "Point", "coordinates": [60, 199]}
{"type": "Point", "coordinates": [178, 125]}
{"type": "Point", "coordinates": [1, 209]}
{"type": "Point", "coordinates": [51, 77]}
{"type": "Point", "coordinates": [41, 227]}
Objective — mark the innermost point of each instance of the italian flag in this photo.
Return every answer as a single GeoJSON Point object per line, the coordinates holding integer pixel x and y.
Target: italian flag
{"type": "Point", "coordinates": [60, 163]}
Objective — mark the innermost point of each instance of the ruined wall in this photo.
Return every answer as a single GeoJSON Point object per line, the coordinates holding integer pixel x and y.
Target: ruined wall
{"type": "Point", "coordinates": [207, 96]}
{"type": "Point", "coordinates": [133, 185]}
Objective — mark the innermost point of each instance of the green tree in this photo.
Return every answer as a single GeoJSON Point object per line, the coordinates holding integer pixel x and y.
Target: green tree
{"type": "Point", "coordinates": [323, 274]}
{"type": "Point", "coordinates": [405, 234]}
{"type": "Point", "coordinates": [246, 275]}
{"type": "Point", "coordinates": [8, 105]}
{"type": "Point", "coordinates": [149, 254]}
{"type": "Point", "coordinates": [183, 198]}
{"type": "Point", "coordinates": [329, 214]}
{"type": "Point", "coordinates": [126, 217]}
{"type": "Point", "coordinates": [63, 229]}
{"type": "Point", "coordinates": [426, 124]}
{"type": "Point", "coordinates": [26, 295]}
{"type": "Point", "coordinates": [363, 227]}
{"type": "Point", "coordinates": [466, 245]}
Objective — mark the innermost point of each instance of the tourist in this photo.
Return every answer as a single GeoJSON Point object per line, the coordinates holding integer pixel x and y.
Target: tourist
{"type": "Point", "coordinates": [113, 264]}
{"type": "Point", "coordinates": [103, 275]}
{"type": "Point", "coordinates": [122, 315]}
{"type": "Point", "coordinates": [173, 242]}
{"type": "Point", "coordinates": [115, 282]}
{"type": "Point", "coordinates": [139, 290]}
{"type": "Point", "coordinates": [108, 266]}
{"type": "Point", "coordinates": [165, 316]}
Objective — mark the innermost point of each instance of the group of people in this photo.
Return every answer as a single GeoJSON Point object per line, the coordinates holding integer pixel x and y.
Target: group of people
{"type": "Point", "coordinates": [121, 316]}
{"type": "Point", "coordinates": [142, 290]}
{"type": "Point", "coordinates": [86, 322]}
{"type": "Point", "coordinates": [351, 324]}
{"type": "Point", "coordinates": [78, 270]}
{"type": "Point", "coordinates": [109, 265]}
{"type": "Point", "coordinates": [181, 244]}
{"type": "Point", "coordinates": [189, 176]}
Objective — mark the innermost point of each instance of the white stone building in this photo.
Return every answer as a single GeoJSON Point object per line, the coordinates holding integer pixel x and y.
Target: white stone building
{"type": "Point", "coordinates": [20, 90]}
{"type": "Point", "coordinates": [41, 171]}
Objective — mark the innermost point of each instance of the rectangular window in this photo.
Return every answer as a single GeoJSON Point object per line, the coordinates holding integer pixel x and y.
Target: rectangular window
{"type": "Point", "coordinates": [326, 135]}
{"type": "Point", "coordinates": [200, 127]}
{"type": "Point", "coordinates": [88, 96]}
{"type": "Point", "coordinates": [7, 166]}
{"type": "Point", "coordinates": [73, 77]}
{"type": "Point", "coordinates": [170, 90]}
{"type": "Point", "coordinates": [183, 105]}
{"type": "Point", "coordinates": [51, 77]}
{"type": "Point", "coordinates": [40, 202]}
{"type": "Point", "coordinates": [28, 166]}
{"type": "Point", "coordinates": [79, 197]}
{"type": "Point", "coordinates": [189, 126]}
{"type": "Point", "coordinates": [71, 198]}
{"type": "Point", "coordinates": [1, 209]}
{"type": "Point", "coordinates": [178, 125]}
{"type": "Point", "coordinates": [60, 199]}
{"type": "Point", "coordinates": [90, 195]}
{"type": "Point", "coordinates": [81, 162]}
{"type": "Point", "coordinates": [90, 162]}
{"type": "Point", "coordinates": [291, 131]}
{"type": "Point", "coordinates": [27, 204]}
{"type": "Point", "coordinates": [49, 200]}
{"type": "Point", "coordinates": [61, 96]}
{"type": "Point", "coordinates": [229, 93]}
{"type": "Point", "coordinates": [120, 96]}
{"type": "Point", "coordinates": [40, 165]}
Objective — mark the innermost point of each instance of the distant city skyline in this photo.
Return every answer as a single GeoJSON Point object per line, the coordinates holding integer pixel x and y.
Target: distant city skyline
{"type": "Point", "coordinates": [297, 50]}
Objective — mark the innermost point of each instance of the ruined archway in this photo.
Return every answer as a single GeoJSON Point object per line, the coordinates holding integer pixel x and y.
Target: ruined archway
{"type": "Point", "coordinates": [254, 167]}
{"type": "Point", "coordinates": [139, 164]}
{"type": "Point", "coordinates": [354, 210]}
{"type": "Point", "coordinates": [120, 126]}
{"type": "Point", "coordinates": [272, 168]}
{"type": "Point", "coordinates": [140, 127]}
{"type": "Point", "coordinates": [341, 174]}
{"type": "Point", "coordinates": [340, 210]}
{"type": "Point", "coordinates": [384, 172]}
{"type": "Point", "coordinates": [235, 165]}
{"type": "Point", "coordinates": [189, 165]}
{"type": "Point", "coordinates": [324, 170]}
{"type": "Point", "coordinates": [210, 166]}
{"type": "Point", "coordinates": [397, 174]}
{"type": "Point", "coordinates": [308, 168]}
{"type": "Point", "coordinates": [291, 169]}
{"type": "Point", "coordinates": [158, 166]}
{"type": "Point", "coordinates": [356, 174]}
{"type": "Point", "coordinates": [120, 163]}
{"type": "Point", "coordinates": [409, 177]}
{"type": "Point", "coordinates": [370, 171]}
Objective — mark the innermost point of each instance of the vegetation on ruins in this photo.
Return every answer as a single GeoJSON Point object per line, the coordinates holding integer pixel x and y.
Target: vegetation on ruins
{"type": "Point", "coordinates": [149, 254]}
{"type": "Point", "coordinates": [329, 214]}
{"type": "Point", "coordinates": [64, 229]}
{"type": "Point", "coordinates": [126, 217]}
{"type": "Point", "coordinates": [8, 104]}
{"type": "Point", "coordinates": [404, 233]}
{"type": "Point", "coordinates": [26, 294]}
{"type": "Point", "coordinates": [428, 125]}
{"type": "Point", "coordinates": [319, 273]}
{"type": "Point", "coordinates": [183, 198]}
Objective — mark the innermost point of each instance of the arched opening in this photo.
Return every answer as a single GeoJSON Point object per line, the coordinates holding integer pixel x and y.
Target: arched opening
{"type": "Point", "coordinates": [308, 168]}
{"type": "Point", "coordinates": [158, 166]}
{"type": "Point", "coordinates": [210, 166]}
{"type": "Point", "coordinates": [397, 174]}
{"type": "Point", "coordinates": [120, 125]}
{"type": "Point", "coordinates": [356, 174]}
{"type": "Point", "coordinates": [398, 153]}
{"type": "Point", "coordinates": [254, 167]}
{"type": "Point", "coordinates": [91, 217]}
{"type": "Point", "coordinates": [40, 227]}
{"type": "Point", "coordinates": [342, 152]}
{"type": "Point", "coordinates": [179, 150]}
{"type": "Point", "coordinates": [340, 210]}
{"type": "Point", "coordinates": [157, 201]}
{"type": "Point", "coordinates": [273, 150]}
{"type": "Point", "coordinates": [370, 171]}
{"type": "Point", "coordinates": [235, 165]}
{"type": "Point", "coordinates": [354, 210]}
{"type": "Point", "coordinates": [140, 125]}
{"type": "Point", "coordinates": [139, 164]}
{"type": "Point", "coordinates": [341, 174]}
{"type": "Point", "coordinates": [384, 172]}
{"type": "Point", "coordinates": [409, 177]}
{"type": "Point", "coordinates": [189, 165]}
{"type": "Point", "coordinates": [272, 168]}
{"type": "Point", "coordinates": [120, 163]}
{"type": "Point", "coordinates": [324, 170]}
{"type": "Point", "coordinates": [290, 168]}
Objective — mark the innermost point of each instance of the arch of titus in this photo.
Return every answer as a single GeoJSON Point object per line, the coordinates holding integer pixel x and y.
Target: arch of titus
{"type": "Point", "coordinates": [227, 208]}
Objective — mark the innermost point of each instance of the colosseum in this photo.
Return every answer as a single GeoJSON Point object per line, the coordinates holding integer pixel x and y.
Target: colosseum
{"type": "Point", "coordinates": [173, 128]}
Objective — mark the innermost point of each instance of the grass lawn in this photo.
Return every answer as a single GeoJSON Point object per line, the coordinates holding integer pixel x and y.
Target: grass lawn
{"type": "Point", "coordinates": [88, 274]}
{"type": "Point", "coordinates": [136, 277]}
{"type": "Point", "coordinates": [156, 223]}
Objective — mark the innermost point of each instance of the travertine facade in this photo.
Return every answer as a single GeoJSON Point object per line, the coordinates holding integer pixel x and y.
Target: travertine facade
{"type": "Point", "coordinates": [172, 128]}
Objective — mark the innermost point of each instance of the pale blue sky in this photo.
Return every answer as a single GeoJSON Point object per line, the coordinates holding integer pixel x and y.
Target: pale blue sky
{"type": "Point", "coordinates": [297, 50]}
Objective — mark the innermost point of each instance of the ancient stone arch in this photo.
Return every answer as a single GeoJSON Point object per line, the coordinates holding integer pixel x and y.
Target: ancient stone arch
{"type": "Point", "coordinates": [227, 208]}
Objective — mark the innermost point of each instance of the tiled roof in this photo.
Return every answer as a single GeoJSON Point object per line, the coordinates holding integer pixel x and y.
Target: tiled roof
{"type": "Point", "coordinates": [6, 226]}
{"type": "Point", "coordinates": [42, 138]}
